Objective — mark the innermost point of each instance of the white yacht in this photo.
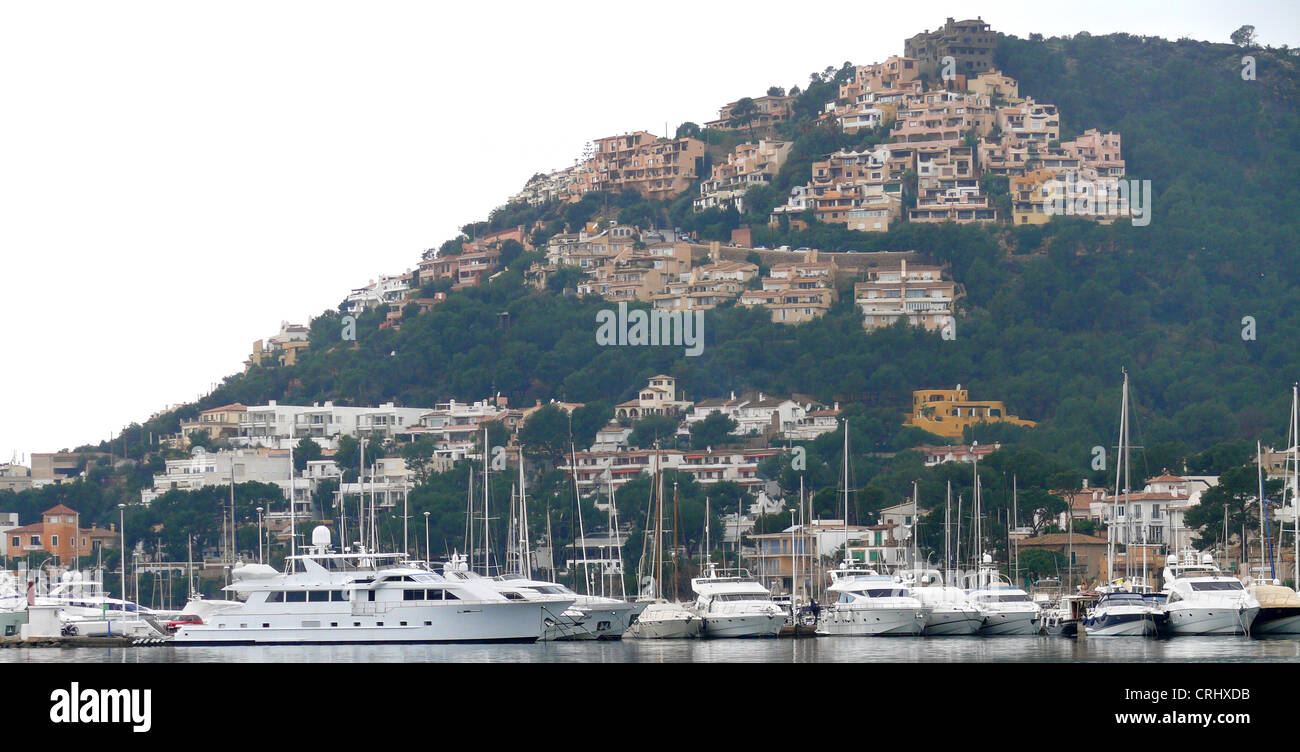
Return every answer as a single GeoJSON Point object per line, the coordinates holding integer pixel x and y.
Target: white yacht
{"type": "Point", "coordinates": [80, 596]}
{"type": "Point", "coordinates": [1201, 600]}
{"type": "Point", "coordinates": [732, 604]}
{"type": "Point", "coordinates": [867, 603]}
{"type": "Point", "coordinates": [1123, 613]}
{"type": "Point", "coordinates": [664, 620]}
{"type": "Point", "coordinates": [1007, 609]}
{"type": "Point", "coordinates": [950, 611]}
{"type": "Point", "coordinates": [587, 617]}
{"type": "Point", "coordinates": [365, 597]}
{"type": "Point", "coordinates": [1279, 609]}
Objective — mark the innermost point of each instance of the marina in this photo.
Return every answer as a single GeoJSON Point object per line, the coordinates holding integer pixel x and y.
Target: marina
{"type": "Point", "coordinates": [797, 651]}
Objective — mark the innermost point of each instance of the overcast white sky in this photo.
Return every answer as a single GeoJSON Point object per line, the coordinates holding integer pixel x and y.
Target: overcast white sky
{"type": "Point", "coordinates": [178, 178]}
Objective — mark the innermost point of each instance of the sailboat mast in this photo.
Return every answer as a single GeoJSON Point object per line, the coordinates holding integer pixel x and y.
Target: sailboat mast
{"type": "Point", "coordinates": [846, 490]}
{"type": "Point", "coordinates": [1015, 520]}
{"type": "Point", "coordinates": [525, 554]}
{"type": "Point", "coordinates": [487, 540]}
{"type": "Point", "coordinates": [293, 517]}
{"type": "Point", "coordinates": [947, 543]}
{"type": "Point", "coordinates": [1295, 486]}
{"type": "Point", "coordinates": [1114, 504]}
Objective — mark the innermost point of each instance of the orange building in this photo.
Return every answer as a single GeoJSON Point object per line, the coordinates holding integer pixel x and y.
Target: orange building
{"type": "Point", "coordinates": [59, 534]}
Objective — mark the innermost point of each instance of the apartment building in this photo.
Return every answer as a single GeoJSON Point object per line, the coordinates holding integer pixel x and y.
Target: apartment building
{"type": "Point", "coordinates": [653, 167]}
{"type": "Point", "coordinates": [281, 349]}
{"type": "Point", "coordinates": [204, 468]}
{"type": "Point", "coordinates": [748, 165]}
{"type": "Point", "coordinates": [916, 294]}
{"type": "Point", "coordinates": [796, 291]}
{"type": "Point", "coordinates": [970, 43]}
{"type": "Point", "coordinates": [274, 424]}
{"type": "Point", "coordinates": [59, 533]}
{"type": "Point", "coordinates": [596, 471]}
{"type": "Point", "coordinates": [893, 73]}
{"type": "Point", "coordinates": [943, 116]}
{"type": "Point", "coordinates": [705, 287]}
{"type": "Point", "coordinates": [1030, 121]}
{"type": "Point", "coordinates": [946, 412]}
{"type": "Point", "coordinates": [220, 422]}
{"type": "Point", "coordinates": [995, 86]}
{"type": "Point", "coordinates": [764, 113]}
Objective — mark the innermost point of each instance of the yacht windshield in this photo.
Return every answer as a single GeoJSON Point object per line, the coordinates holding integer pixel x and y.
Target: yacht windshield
{"type": "Point", "coordinates": [1003, 597]}
{"type": "Point", "coordinates": [1232, 585]}
{"type": "Point", "coordinates": [743, 597]}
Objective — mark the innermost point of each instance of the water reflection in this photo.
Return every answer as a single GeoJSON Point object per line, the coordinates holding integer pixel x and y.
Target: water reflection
{"type": "Point", "coordinates": [807, 650]}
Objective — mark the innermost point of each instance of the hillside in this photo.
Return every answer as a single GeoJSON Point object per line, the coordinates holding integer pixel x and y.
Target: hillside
{"type": "Point", "coordinates": [1052, 313]}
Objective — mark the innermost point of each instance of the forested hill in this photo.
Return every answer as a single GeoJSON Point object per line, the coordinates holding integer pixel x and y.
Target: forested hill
{"type": "Point", "coordinates": [1052, 313]}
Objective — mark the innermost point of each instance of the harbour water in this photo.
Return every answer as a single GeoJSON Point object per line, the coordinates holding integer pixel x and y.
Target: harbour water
{"type": "Point", "coordinates": [818, 650]}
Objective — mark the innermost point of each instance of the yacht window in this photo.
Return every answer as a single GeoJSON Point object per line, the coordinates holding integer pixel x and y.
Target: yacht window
{"type": "Point", "coordinates": [318, 596]}
{"type": "Point", "coordinates": [413, 595]}
{"type": "Point", "coordinates": [513, 596]}
{"type": "Point", "coordinates": [1004, 598]}
{"type": "Point", "coordinates": [338, 595]}
{"type": "Point", "coordinates": [1233, 585]}
{"type": "Point", "coordinates": [295, 596]}
{"type": "Point", "coordinates": [743, 597]}
{"type": "Point", "coordinates": [275, 596]}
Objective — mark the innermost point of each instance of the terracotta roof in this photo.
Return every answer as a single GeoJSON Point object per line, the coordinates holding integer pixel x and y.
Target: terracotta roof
{"type": "Point", "coordinates": [60, 509]}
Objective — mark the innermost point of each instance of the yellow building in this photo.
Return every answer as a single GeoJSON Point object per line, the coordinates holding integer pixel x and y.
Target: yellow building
{"type": "Point", "coordinates": [946, 412]}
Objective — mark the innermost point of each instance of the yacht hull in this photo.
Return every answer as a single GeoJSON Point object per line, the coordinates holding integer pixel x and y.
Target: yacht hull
{"type": "Point", "coordinates": [468, 622]}
{"type": "Point", "coordinates": [666, 629]}
{"type": "Point", "coordinates": [959, 622]}
{"type": "Point", "coordinates": [1011, 623]}
{"type": "Point", "coordinates": [873, 622]}
{"type": "Point", "coordinates": [745, 625]}
{"type": "Point", "coordinates": [1123, 625]}
{"type": "Point", "coordinates": [1284, 620]}
{"type": "Point", "coordinates": [1210, 620]}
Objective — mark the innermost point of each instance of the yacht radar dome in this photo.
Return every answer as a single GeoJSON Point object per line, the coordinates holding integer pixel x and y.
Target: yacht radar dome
{"type": "Point", "coordinates": [320, 537]}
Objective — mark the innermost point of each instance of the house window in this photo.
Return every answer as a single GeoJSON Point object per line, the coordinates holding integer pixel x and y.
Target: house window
{"type": "Point", "coordinates": [54, 541]}
{"type": "Point", "coordinates": [35, 540]}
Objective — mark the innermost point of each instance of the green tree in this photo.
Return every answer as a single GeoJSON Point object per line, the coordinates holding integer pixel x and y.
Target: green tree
{"type": "Point", "coordinates": [306, 451]}
{"type": "Point", "coordinates": [715, 430]}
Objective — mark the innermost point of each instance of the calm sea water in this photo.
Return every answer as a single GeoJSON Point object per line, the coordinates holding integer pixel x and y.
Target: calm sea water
{"type": "Point", "coordinates": [803, 650]}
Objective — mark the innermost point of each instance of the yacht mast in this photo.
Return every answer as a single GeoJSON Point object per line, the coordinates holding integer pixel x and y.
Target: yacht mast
{"type": "Point", "coordinates": [293, 517]}
{"type": "Point", "coordinates": [1114, 505]}
{"type": "Point", "coordinates": [846, 492]}
{"type": "Point", "coordinates": [1015, 519]}
{"type": "Point", "coordinates": [618, 541]}
{"type": "Point", "coordinates": [526, 554]}
{"type": "Point", "coordinates": [1295, 486]}
{"type": "Point", "coordinates": [487, 540]}
{"type": "Point", "coordinates": [947, 550]}
{"type": "Point", "coordinates": [916, 519]}
{"type": "Point", "coordinates": [361, 497]}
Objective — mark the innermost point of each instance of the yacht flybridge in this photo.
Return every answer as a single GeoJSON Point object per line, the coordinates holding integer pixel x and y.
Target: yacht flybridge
{"type": "Point", "coordinates": [366, 597]}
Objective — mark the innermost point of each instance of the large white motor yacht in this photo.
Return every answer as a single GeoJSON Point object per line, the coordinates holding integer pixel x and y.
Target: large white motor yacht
{"type": "Point", "coordinates": [867, 603]}
{"type": "Point", "coordinates": [732, 604]}
{"type": "Point", "coordinates": [1007, 609]}
{"type": "Point", "coordinates": [950, 611]}
{"type": "Point", "coordinates": [664, 620]}
{"type": "Point", "coordinates": [365, 597]}
{"type": "Point", "coordinates": [1201, 600]}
